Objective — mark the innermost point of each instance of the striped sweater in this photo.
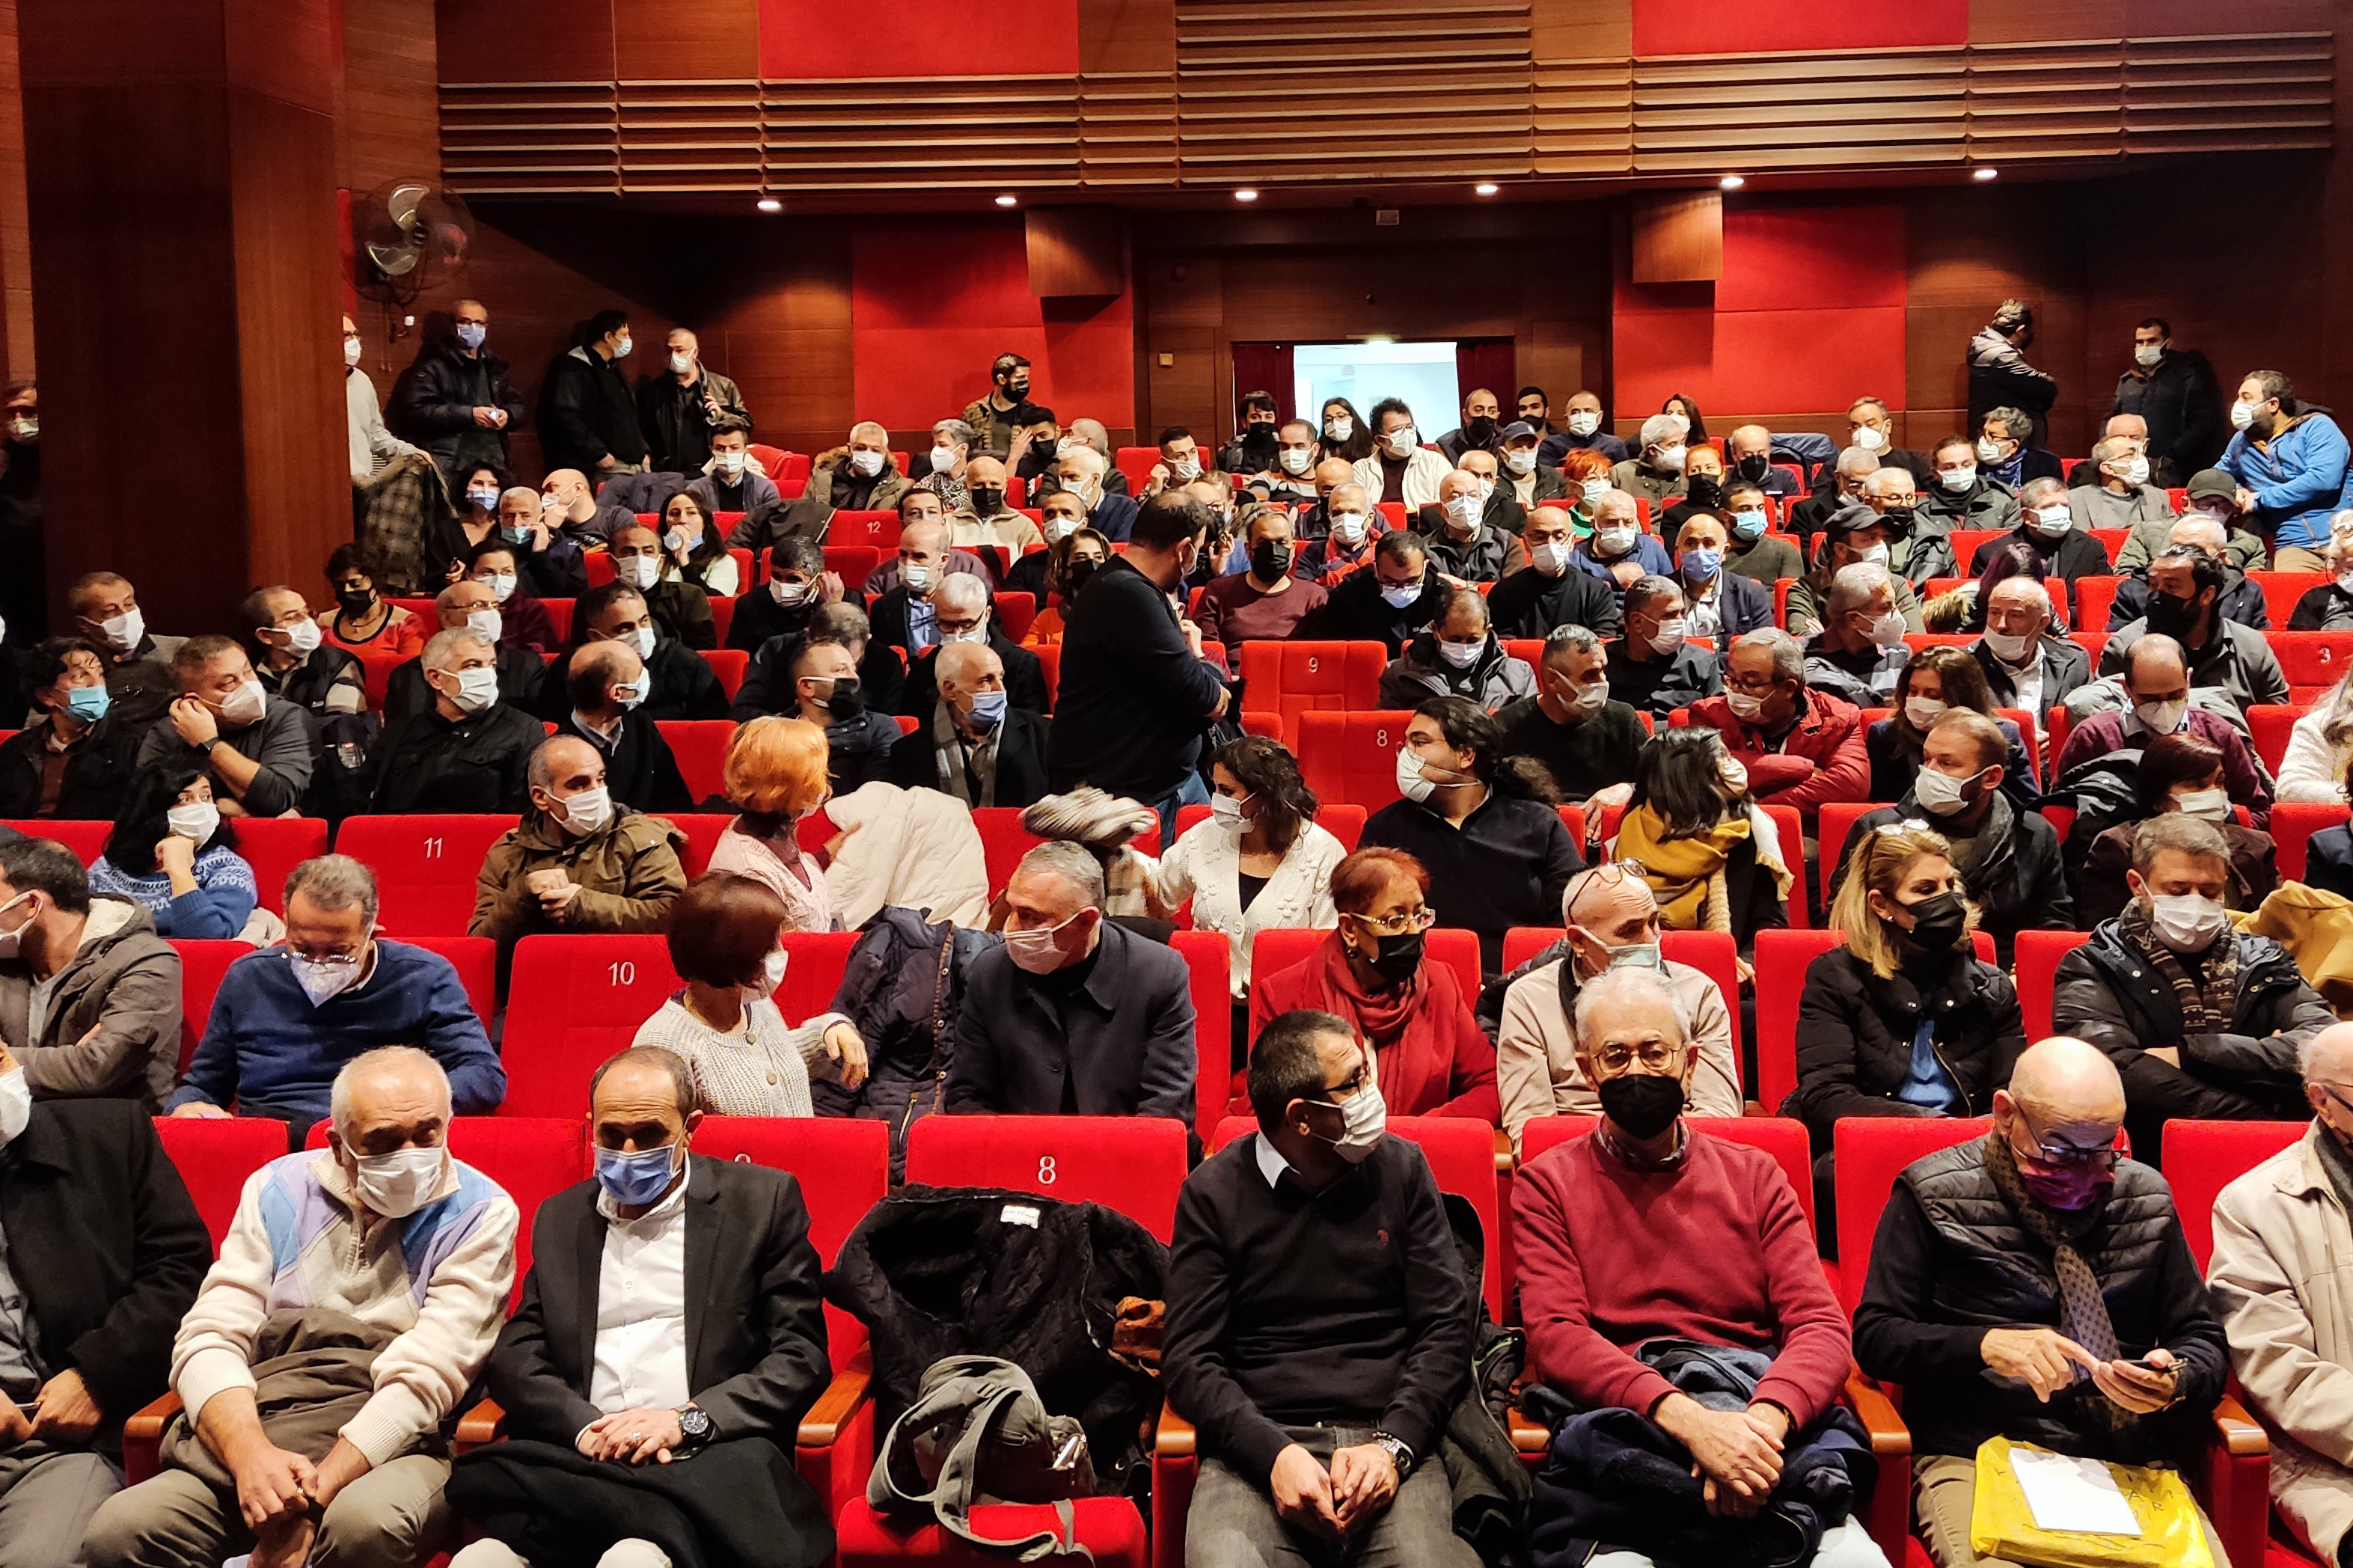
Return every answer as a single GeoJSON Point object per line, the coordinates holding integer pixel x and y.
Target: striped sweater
{"type": "Point", "coordinates": [440, 1279]}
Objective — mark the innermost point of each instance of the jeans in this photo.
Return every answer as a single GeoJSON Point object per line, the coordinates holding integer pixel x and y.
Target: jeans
{"type": "Point", "coordinates": [1192, 791]}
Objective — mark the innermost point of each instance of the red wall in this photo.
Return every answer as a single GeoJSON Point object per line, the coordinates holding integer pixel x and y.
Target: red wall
{"type": "Point", "coordinates": [1713, 27]}
{"type": "Point", "coordinates": [931, 304]}
{"type": "Point", "coordinates": [803, 41]}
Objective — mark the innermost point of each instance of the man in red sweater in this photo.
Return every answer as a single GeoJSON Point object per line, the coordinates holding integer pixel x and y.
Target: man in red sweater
{"type": "Point", "coordinates": [1646, 1230]}
{"type": "Point", "coordinates": [1801, 747]}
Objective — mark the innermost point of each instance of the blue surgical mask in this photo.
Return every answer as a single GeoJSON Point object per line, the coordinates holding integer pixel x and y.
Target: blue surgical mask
{"type": "Point", "coordinates": [513, 535]}
{"type": "Point", "coordinates": [1702, 565]}
{"type": "Point", "coordinates": [987, 709]}
{"type": "Point", "coordinates": [88, 703]}
{"type": "Point", "coordinates": [1748, 526]}
{"type": "Point", "coordinates": [472, 333]}
{"type": "Point", "coordinates": [636, 1179]}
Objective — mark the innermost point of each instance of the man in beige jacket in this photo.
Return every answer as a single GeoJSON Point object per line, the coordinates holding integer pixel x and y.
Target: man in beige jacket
{"type": "Point", "coordinates": [2278, 1279]}
{"type": "Point", "coordinates": [1612, 920]}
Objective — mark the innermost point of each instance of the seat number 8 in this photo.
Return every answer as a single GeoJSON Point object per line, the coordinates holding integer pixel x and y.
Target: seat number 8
{"type": "Point", "coordinates": [1046, 1173]}
{"type": "Point", "coordinates": [1381, 739]}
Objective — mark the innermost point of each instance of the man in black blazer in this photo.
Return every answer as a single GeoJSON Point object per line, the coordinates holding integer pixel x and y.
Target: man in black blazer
{"type": "Point", "coordinates": [965, 613]}
{"type": "Point", "coordinates": [625, 1434]}
{"type": "Point", "coordinates": [608, 684]}
{"type": "Point", "coordinates": [973, 743]}
{"type": "Point", "coordinates": [101, 1253]}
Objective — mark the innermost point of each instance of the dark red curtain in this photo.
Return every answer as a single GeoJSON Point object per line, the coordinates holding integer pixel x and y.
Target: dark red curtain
{"type": "Point", "coordinates": [1261, 367]}
{"type": "Point", "coordinates": [1489, 362]}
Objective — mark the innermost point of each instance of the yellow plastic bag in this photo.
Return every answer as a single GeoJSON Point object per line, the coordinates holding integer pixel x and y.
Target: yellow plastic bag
{"type": "Point", "coordinates": [2002, 1525]}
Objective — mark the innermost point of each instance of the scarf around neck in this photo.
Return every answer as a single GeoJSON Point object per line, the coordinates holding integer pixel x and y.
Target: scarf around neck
{"type": "Point", "coordinates": [2082, 1309]}
{"type": "Point", "coordinates": [2208, 1002]}
{"type": "Point", "coordinates": [1678, 869]}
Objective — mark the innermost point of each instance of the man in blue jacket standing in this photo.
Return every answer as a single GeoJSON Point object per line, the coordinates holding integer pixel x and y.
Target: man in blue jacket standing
{"type": "Point", "coordinates": [2291, 463]}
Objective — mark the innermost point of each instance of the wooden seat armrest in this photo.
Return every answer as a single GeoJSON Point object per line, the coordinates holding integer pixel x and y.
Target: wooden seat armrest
{"type": "Point", "coordinates": [1528, 1437]}
{"type": "Point", "coordinates": [1890, 1437]}
{"type": "Point", "coordinates": [1175, 1438]}
{"type": "Point", "coordinates": [484, 1424]}
{"type": "Point", "coordinates": [2240, 1436]}
{"type": "Point", "coordinates": [1505, 1161]}
{"type": "Point", "coordinates": [839, 1402]}
{"type": "Point", "coordinates": [147, 1425]}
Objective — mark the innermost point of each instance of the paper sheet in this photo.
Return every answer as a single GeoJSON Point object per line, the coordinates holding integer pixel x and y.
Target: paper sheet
{"type": "Point", "coordinates": [2071, 1494]}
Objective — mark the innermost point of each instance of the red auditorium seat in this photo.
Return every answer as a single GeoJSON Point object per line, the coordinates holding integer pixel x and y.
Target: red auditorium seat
{"type": "Point", "coordinates": [425, 867]}
{"type": "Point", "coordinates": [2038, 956]}
{"type": "Point", "coordinates": [375, 672]}
{"type": "Point", "coordinates": [214, 1155]}
{"type": "Point", "coordinates": [1049, 665]}
{"type": "Point", "coordinates": [2201, 1157]}
{"type": "Point", "coordinates": [2314, 660]}
{"type": "Point", "coordinates": [1394, 510]}
{"type": "Point", "coordinates": [273, 846]}
{"type": "Point", "coordinates": [1209, 975]}
{"type": "Point", "coordinates": [1350, 756]}
{"type": "Point", "coordinates": [2282, 590]}
{"type": "Point", "coordinates": [2091, 642]}
{"type": "Point", "coordinates": [1837, 824]}
{"type": "Point", "coordinates": [701, 829]}
{"type": "Point", "coordinates": [1288, 679]}
{"type": "Point", "coordinates": [2112, 540]}
{"type": "Point", "coordinates": [2092, 597]}
{"type": "Point", "coordinates": [84, 839]}
{"type": "Point", "coordinates": [1966, 542]}
{"type": "Point", "coordinates": [1711, 951]}
{"type": "Point", "coordinates": [2293, 825]}
{"type": "Point", "coordinates": [851, 563]}
{"type": "Point", "coordinates": [203, 964]}
{"type": "Point", "coordinates": [723, 616]}
{"type": "Point", "coordinates": [729, 664]}
{"type": "Point", "coordinates": [597, 566]}
{"type": "Point", "coordinates": [878, 528]}
{"type": "Point", "coordinates": [1780, 963]}
{"type": "Point", "coordinates": [1279, 948]}
{"type": "Point", "coordinates": [1014, 613]}
{"type": "Point", "coordinates": [701, 747]}
{"type": "Point", "coordinates": [1341, 820]}
{"type": "Point", "coordinates": [1915, 641]}
{"type": "Point", "coordinates": [1131, 1163]}
{"type": "Point", "coordinates": [2271, 726]}
{"type": "Point", "coordinates": [559, 616]}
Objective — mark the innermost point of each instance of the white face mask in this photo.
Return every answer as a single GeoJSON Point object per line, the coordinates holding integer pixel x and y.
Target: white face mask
{"type": "Point", "coordinates": [1462, 655]}
{"type": "Point", "coordinates": [944, 460]}
{"type": "Point", "coordinates": [2186, 923]}
{"type": "Point", "coordinates": [1923, 711]}
{"type": "Point", "coordinates": [621, 349]}
{"type": "Point", "coordinates": [1550, 558]}
{"type": "Point", "coordinates": [324, 979]}
{"type": "Point", "coordinates": [1410, 780]}
{"type": "Point", "coordinates": [1669, 461]}
{"type": "Point", "coordinates": [1339, 427]}
{"type": "Point", "coordinates": [2206, 805]}
{"type": "Point", "coordinates": [680, 362]}
{"type": "Point", "coordinates": [2009, 648]}
{"type": "Point", "coordinates": [485, 623]}
{"type": "Point", "coordinates": [478, 689]}
{"type": "Point", "coordinates": [1348, 528]}
{"type": "Point", "coordinates": [16, 1105]}
{"type": "Point", "coordinates": [643, 640]}
{"type": "Point", "coordinates": [1870, 437]}
{"type": "Point", "coordinates": [1186, 468]}
{"type": "Point", "coordinates": [1582, 423]}
{"type": "Point", "coordinates": [2135, 471]}
{"type": "Point", "coordinates": [1398, 595]}
{"type": "Point", "coordinates": [2148, 353]}
{"type": "Point", "coordinates": [1670, 636]}
{"type": "Point", "coordinates": [731, 463]}
{"type": "Point", "coordinates": [1062, 525]}
{"type": "Point", "coordinates": [1940, 794]}
{"type": "Point", "coordinates": [1400, 441]}
{"type": "Point", "coordinates": [1038, 951]}
{"type": "Point", "coordinates": [1988, 452]}
{"type": "Point", "coordinates": [484, 496]}
{"type": "Point", "coordinates": [919, 576]}
{"type": "Point", "coordinates": [502, 585]}
{"type": "Point", "coordinates": [2053, 522]}
{"type": "Point", "coordinates": [195, 822]}
{"type": "Point", "coordinates": [1520, 459]}
{"type": "Point", "coordinates": [1745, 707]}
{"type": "Point", "coordinates": [246, 705]}
{"type": "Point", "coordinates": [303, 636]}
{"type": "Point", "coordinates": [1734, 774]}
{"type": "Point", "coordinates": [789, 594]}
{"type": "Point", "coordinates": [639, 571]}
{"type": "Point", "coordinates": [1463, 512]}
{"type": "Point", "coordinates": [867, 464]}
{"type": "Point", "coordinates": [584, 812]}
{"type": "Point", "coordinates": [351, 352]}
{"type": "Point", "coordinates": [1613, 542]}
{"type": "Point", "coordinates": [397, 1184]}
{"type": "Point", "coordinates": [1886, 631]}
{"type": "Point", "coordinates": [2162, 717]}
{"type": "Point", "coordinates": [125, 632]}
{"type": "Point", "coordinates": [1586, 700]}
{"type": "Point", "coordinates": [2242, 414]}
{"type": "Point", "coordinates": [1295, 459]}
{"type": "Point", "coordinates": [1957, 479]}
{"type": "Point", "coordinates": [1364, 1117]}
{"type": "Point", "coordinates": [771, 974]}
{"type": "Point", "coordinates": [1876, 554]}
{"type": "Point", "coordinates": [1594, 489]}
{"type": "Point", "coordinates": [1228, 813]}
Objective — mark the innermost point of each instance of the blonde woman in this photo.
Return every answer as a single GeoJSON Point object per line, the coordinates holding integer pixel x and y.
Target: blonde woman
{"type": "Point", "coordinates": [775, 774]}
{"type": "Point", "coordinates": [2319, 747]}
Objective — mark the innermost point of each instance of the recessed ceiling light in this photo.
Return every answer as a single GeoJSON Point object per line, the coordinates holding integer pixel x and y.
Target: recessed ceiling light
{"type": "Point", "coordinates": [1731, 182]}
{"type": "Point", "coordinates": [1245, 195]}
{"type": "Point", "coordinates": [1486, 187]}
{"type": "Point", "coordinates": [1983, 174]}
{"type": "Point", "coordinates": [770, 204]}
{"type": "Point", "coordinates": [1008, 200]}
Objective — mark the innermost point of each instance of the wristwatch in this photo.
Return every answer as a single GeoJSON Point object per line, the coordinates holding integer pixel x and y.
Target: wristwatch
{"type": "Point", "coordinates": [1399, 1451]}
{"type": "Point", "coordinates": [694, 1426]}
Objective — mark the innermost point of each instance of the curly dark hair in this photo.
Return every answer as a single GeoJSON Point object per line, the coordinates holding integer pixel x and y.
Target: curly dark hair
{"type": "Point", "coordinates": [1267, 770]}
{"type": "Point", "coordinates": [1471, 727]}
{"type": "Point", "coordinates": [1679, 773]}
{"type": "Point", "coordinates": [142, 822]}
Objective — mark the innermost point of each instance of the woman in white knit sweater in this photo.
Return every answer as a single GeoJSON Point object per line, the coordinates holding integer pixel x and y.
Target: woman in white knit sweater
{"type": "Point", "coordinates": [2319, 747]}
{"type": "Point", "coordinates": [726, 934]}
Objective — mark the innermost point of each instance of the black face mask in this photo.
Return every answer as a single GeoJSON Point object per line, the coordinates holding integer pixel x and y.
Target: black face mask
{"type": "Point", "coordinates": [1398, 958]}
{"type": "Point", "coordinates": [1257, 439]}
{"type": "Point", "coordinates": [1938, 922]}
{"type": "Point", "coordinates": [1755, 467]}
{"type": "Point", "coordinates": [1078, 574]}
{"type": "Point", "coordinates": [847, 701]}
{"type": "Point", "coordinates": [1705, 491]}
{"type": "Point", "coordinates": [1270, 559]}
{"type": "Point", "coordinates": [2170, 613]}
{"type": "Point", "coordinates": [1018, 391]}
{"type": "Point", "coordinates": [1480, 429]}
{"type": "Point", "coordinates": [986, 500]}
{"type": "Point", "coordinates": [1899, 519]}
{"type": "Point", "coordinates": [355, 600]}
{"type": "Point", "coordinates": [1643, 1104]}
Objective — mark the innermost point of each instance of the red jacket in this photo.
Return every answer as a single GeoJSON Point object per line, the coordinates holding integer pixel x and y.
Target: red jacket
{"type": "Point", "coordinates": [1441, 1065]}
{"type": "Point", "coordinates": [1820, 761]}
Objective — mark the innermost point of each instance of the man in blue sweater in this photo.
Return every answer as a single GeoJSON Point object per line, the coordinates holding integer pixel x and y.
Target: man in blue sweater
{"type": "Point", "coordinates": [286, 1020]}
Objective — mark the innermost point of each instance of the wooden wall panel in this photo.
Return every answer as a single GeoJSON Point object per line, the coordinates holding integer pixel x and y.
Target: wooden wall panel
{"type": "Point", "coordinates": [525, 40]}
{"type": "Point", "coordinates": [668, 40]}
{"type": "Point", "coordinates": [16, 345]}
{"type": "Point", "coordinates": [1128, 36]}
{"type": "Point", "coordinates": [784, 320]}
{"type": "Point", "coordinates": [391, 67]}
{"type": "Point", "coordinates": [1678, 236]}
{"type": "Point", "coordinates": [1076, 251]}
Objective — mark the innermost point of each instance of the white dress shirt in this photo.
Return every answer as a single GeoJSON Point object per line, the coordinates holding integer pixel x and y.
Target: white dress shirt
{"type": "Point", "coordinates": [641, 1309]}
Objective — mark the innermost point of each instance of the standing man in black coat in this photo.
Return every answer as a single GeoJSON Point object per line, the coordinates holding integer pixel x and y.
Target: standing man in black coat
{"type": "Point", "coordinates": [719, 1355]}
{"type": "Point", "coordinates": [101, 1253]}
{"type": "Point", "coordinates": [2175, 392]}
{"type": "Point", "coordinates": [2000, 374]}
{"type": "Point", "coordinates": [458, 403]}
{"type": "Point", "coordinates": [588, 414]}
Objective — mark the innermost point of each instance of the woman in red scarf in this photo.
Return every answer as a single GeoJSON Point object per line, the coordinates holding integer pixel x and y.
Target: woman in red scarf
{"type": "Point", "coordinates": [1429, 1055]}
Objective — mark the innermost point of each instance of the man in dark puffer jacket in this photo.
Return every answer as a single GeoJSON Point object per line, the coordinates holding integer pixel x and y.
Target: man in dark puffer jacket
{"type": "Point", "coordinates": [2014, 1280]}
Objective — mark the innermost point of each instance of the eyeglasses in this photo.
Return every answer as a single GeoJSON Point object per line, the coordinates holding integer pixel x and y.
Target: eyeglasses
{"type": "Point", "coordinates": [1656, 1055]}
{"type": "Point", "coordinates": [1615, 873]}
{"type": "Point", "coordinates": [2050, 1154]}
{"type": "Point", "coordinates": [1399, 923]}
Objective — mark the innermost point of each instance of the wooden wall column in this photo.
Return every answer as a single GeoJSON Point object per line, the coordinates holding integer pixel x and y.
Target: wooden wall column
{"type": "Point", "coordinates": [180, 160]}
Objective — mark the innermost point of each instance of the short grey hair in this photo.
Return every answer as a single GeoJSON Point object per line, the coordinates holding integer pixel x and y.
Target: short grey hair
{"type": "Point", "coordinates": [961, 591]}
{"type": "Point", "coordinates": [1856, 581]}
{"type": "Point", "coordinates": [367, 1064]}
{"type": "Point", "coordinates": [1086, 458]}
{"type": "Point", "coordinates": [957, 431]}
{"type": "Point", "coordinates": [681, 1077]}
{"type": "Point", "coordinates": [335, 882]}
{"type": "Point", "coordinates": [2041, 593]}
{"type": "Point", "coordinates": [1858, 462]}
{"type": "Point", "coordinates": [1660, 429]}
{"type": "Point", "coordinates": [519, 493]}
{"type": "Point", "coordinates": [1788, 653]}
{"type": "Point", "coordinates": [1642, 591]}
{"type": "Point", "coordinates": [1572, 638]}
{"type": "Point", "coordinates": [441, 652]}
{"type": "Point", "coordinates": [1887, 479]}
{"type": "Point", "coordinates": [871, 431]}
{"type": "Point", "coordinates": [1629, 986]}
{"type": "Point", "coordinates": [1071, 862]}
{"type": "Point", "coordinates": [2017, 421]}
{"type": "Point", "coordinates": [2036, 493]}
{"type": "Point", "coordinates": [2108, 449]}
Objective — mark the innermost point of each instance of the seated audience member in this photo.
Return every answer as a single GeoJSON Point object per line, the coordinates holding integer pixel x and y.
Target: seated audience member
{"type": "Point", "coordinates": [568, 520]}
{"type": "Point", "coordinates": [1963, 495]}
{"type": "Point", "coordinates": [257, 751]}
{"type": "Point", "coordinates": [798, 583]}
{"type": "Point", "coordinates": [2007, 451]}
{"type": "Point", "coordinates": [2328, 608]}
{"type": "Point", "coordinates": [2319, 747]}
{"type": "Point", "coordinates": [970, 527]}
{"type": "Point", "coordinates": [1801, 747]}
{"type": "Point", "coordinates": [1458, 657]}
{"type": "Point", "coordinates": [1903, 1019]}
{"type": "Point", "coordinates": [90, 996]}
{"type": "Point", "coordinates": [1071, 562]}
{"type": "Point", "coordinates": [680, 608]}
{"type": "Point", "coordinates": [1479, 431]}
{"type": "Point", "coordinates": [2005, 852]}
{"type": "Point", "coordinates": [2028, 663]}
{"type": "Point", "coordinates": [1586, 475]}
{"type": "Point", "coordinates": [1860, 654]}
{"type": "Point", "coordinates": [2200, 1020]}
{"type": "Point", "coordinates": [1464, 542]}
{"type": "Point", "coordinates": [466, 604]}
{"type": "Point", "coordinates": [1703, 492]}
{"type": "Point", "coordinates": [76, 758]}
{"type": "Point", "coordinates": [2241, 600]}
{"type": "Point", "coordinates": [103, 1256]}
{"type": "Point", "coordinates": [2290, 457]}
{"type": "Point", "coordinates": [2033, 1284]}
{"type": "Point", "coordinates": [1920, 546]}
{"type": "Point", "coordinates": [1401, 469]}
{"type": "Point", "coordinates": [2048, 525]}
{"type": "Point", "coordinates": [1545, 593]}
{"type": "Point", "coordinates": [768, 677]}
{"type": "Point", "coordinates": [106, 615]}
{"type": "Point", "coordinates": [1581, 432]}
{"type": "Point", "coordinates": [1654, 668]}
{"type": "Point", "coordinates": [693, 555]}
{"type": "Point", "coordinates": [1319, 1324]}
{"type": "Point", "coordinates": [1854, 534]}
{"type": "Point", "coordinates": [2284, 1322]}
{"type": "Point", "coordinates": [1612, 922]}
{"type": "Point", "coordinates": [1341, 532]}
{"type": "Point", "coordinates": [290, 660]}
{"type": "Point", "coordinates": [2119, 495]}
{"type": "Point", "coordinates": [524, 624]}
{"type": "Point", "coordinates": [1253, 450]}
{"type": "Point", "coordinates": [1935, 681]}
{"type": "Point", "coordinates": [775, 774]}
{"type": "Point", "coordinates": [905, 617]}
{"type": "Point", "coordinates": [2209, 493]}
{"type": "Point", "coordinates": [685, 686]}
{"type": "Point", "coordinates": [2185, 587]}
{"type": "Point", "coordinates": [363, 620]}
{"type": "Point", "coordinates": [608, 682]}
{"type": "Point", "coordinates": [1836, 486]}
{"type": "Point", "coordinates": [1617, 551]}
{"type": "Point", "coordinates": [1269, 600]}
{"type": "Point", "coordinates": [475, 493]}
{"type": "Point", "coordinates": [1088, 476]}
{"type": "Point", "coordinates": [1180, 461]}
{"type": "Point", "coordinates": [732, 480]}
{"type": "Point", "coordinates": [1656, 471]}
{"type": "Point", "coordinates": [1296, 456]}
{"type": "Point", "coordinates": [1713, 861]}
{"type": "Point", "coordinates": [1718, 604]}
{"type": "Point", "coordinates": [174, 855]}
{"type": "Point", "coordinates": [1528, 483]}
{"type": "Point", "coordinates": [579, 862]}
{"type": "Point", "coordinates": [1059, 519]}
{"type": "Point", "coordinates": [1375, 974]}
{"type": "Point", "coordinates": [861, 476]}
{"type": "Point", "coordinates": [1072, 1013]}
{"type": "Point", "coordinates": [725, 1382]}
{"type": "Point", "coordinates": [467, 753]}
{"type": "Point", "coordinates": [286, 1018]}
{"type": "Point", "coordinates": [1762, 557]}
{"type": "Point", "coordinates": [1571, 727]}
{"type": "Point", "coordinates": [382, 1226]}
{"type": "Point", "coordinates": [2184, 774]}
{"type": "Point", "coordinates": [2159, 691]}
{"type": "Point", "coordinates": [1393, 603]}
{"type": "Point", "coordinates": [1649, 1232]}
{"type": "Point", "coordinates": [1748, 459]}
{"type": "Point", "coordinates": [966, 615]}
{"type": "Point", "coordinates": [974, 745]}
{"type": "Point", "coordinates": [726, 941]}
{"type": "Point", "coordinates": [1481, 824]}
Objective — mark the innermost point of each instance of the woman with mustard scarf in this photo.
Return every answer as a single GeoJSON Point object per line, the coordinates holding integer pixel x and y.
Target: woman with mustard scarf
{"type": "Point", "coordinates": [1712, 860]}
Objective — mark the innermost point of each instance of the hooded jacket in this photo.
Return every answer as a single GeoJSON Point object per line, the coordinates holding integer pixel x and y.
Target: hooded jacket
{"type": "Point", "coordinates": [123, 983]}
{"type": "Point", "coordinates": [1419, 674]}
{"type": "Point", "coordinates": [629, 871]}
{"type": "Point", "coordinates": [2299, 477]}
{"type": "Point", "coordinates": [1855, 1032]}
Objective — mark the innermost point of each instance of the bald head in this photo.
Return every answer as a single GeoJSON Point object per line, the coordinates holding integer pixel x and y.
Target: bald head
{"type": "Point", "coordinates": [1605, 910]}
{"type": "Point", "coordinates": [2064, 1084]}
{"type": "Point", "coordinates": [1333, 472]}
{"type": "Point", "coordinates": [2154, 666]}
{"type": "Point", "coordinates": [2200, 532]}
{"type": "Point", "coordinates": [962, 666]}
{"type": "Point", "coordinates": [2327, 1057]}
